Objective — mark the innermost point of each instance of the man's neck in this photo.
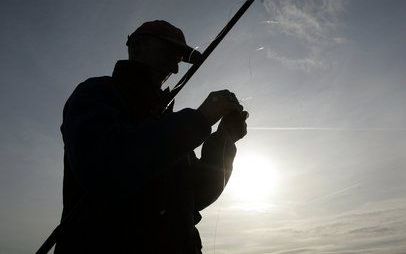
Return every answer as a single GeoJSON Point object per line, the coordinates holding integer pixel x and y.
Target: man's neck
{"type": "Point", "coordinates": [138, 85]}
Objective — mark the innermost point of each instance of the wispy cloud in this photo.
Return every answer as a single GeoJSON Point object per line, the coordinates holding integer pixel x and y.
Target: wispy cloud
{"type": "Point", "coordinates": [311, 24]}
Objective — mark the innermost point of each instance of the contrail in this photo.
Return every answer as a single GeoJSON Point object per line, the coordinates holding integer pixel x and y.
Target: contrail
{"type": "Point", "coordinates": [335, 193]}
{"type": "Point", "coordinates": [325, 129]}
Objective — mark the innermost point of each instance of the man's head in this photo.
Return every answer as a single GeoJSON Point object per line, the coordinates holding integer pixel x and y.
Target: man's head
{"type": "Point", "coordinates": [161, 46]}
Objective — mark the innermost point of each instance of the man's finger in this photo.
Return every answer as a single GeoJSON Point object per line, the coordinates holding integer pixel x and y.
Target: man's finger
{"type": "Point", "coordinates": [232, 97]}
{"type": "Point", "coordinates": [245, 115]}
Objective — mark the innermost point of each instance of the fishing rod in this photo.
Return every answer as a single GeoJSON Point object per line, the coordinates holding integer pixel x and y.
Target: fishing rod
{"type": "Point", "coordinates": [182, 82]}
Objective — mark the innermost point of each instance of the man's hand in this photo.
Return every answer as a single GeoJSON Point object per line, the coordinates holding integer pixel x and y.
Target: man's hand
{"type": "Point", "coordinates": [219, 104]}
{"type": "Point", "coordinates": [233, 125]}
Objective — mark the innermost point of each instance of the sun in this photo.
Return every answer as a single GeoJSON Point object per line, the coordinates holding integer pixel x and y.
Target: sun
{"type": "Point", "coordinates": [254, 181]}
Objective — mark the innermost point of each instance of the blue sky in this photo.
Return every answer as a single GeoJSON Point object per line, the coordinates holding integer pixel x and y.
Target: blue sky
{"type": "Point", "coordinates": [324, 82]}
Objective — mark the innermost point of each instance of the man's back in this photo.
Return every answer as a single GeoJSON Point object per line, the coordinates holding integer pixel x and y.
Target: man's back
{"type": "Point", "coordinates": [158, 213]}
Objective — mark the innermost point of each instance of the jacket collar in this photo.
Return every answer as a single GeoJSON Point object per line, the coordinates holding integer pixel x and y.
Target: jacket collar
{"type": "Point", "coordinates": [126, 71]}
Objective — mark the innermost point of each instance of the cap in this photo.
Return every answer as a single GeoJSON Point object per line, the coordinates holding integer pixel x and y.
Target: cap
{"type": "Point", "coordinates": [164, 30]}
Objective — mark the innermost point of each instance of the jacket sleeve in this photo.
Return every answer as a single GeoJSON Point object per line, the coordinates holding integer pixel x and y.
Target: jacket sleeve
{"type": "Point", "coordinates": [110, 152]}
{"type": "Point", "coordinates": [213, 170]}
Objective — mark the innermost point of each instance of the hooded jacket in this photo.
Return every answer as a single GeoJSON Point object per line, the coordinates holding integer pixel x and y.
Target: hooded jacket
{"type": "Point", "coordinates": [132, 183]}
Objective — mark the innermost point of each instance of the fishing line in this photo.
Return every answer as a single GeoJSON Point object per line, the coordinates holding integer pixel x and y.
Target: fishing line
{"type": "Point", "coordinates": [216, 225]}
{"type": "Point", "coordinates": [221, 201]}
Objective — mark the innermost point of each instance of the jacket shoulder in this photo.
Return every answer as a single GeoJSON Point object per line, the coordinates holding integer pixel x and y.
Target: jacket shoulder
{"type": "Point", "coordinates": [96, 89]}
{"type": "Point", "coordinates": [94, 85]}
{"type": "Point", "coordinates": [93, 88]}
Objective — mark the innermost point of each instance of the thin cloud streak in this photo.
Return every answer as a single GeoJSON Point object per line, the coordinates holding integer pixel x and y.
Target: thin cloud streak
{"type": "Point", "coordinates": [334, 194]}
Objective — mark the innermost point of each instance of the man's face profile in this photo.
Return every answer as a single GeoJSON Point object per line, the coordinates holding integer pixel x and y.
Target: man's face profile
{"type": "Point", "coordinates": [160, 55]}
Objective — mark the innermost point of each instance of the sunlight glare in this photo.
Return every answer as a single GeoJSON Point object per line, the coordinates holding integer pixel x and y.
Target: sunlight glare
{"type": "Point", "coordinates": [253, 182]}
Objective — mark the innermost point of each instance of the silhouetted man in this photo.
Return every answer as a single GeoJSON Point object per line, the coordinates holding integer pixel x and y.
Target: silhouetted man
{"type": "Point", "coordinates": [132, 183]}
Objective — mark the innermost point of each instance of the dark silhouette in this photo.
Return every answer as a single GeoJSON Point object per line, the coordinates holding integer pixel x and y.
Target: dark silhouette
{"type": "Point", "coordinates": [132, 183]}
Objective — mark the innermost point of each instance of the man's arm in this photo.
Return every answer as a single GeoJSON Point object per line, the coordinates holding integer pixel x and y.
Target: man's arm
{"type": "Point", "coordinates": [109, 152]}
{"type": "Point", "coordinates": [213, 170]}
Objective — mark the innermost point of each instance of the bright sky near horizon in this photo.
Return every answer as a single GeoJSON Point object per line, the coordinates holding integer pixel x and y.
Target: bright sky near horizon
{"type": "Point", "coordinates": [323, 167]}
